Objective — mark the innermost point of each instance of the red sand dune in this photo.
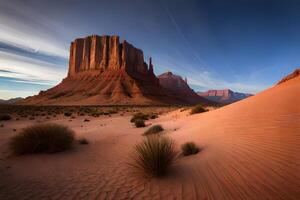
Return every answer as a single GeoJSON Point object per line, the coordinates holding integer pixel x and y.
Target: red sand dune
{"type": "Point", "coordinates": [250, 151]}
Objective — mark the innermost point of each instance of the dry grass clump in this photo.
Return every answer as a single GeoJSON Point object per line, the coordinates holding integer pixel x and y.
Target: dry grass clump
{"type": "Point", "coordinates": [189, 148]}
{"type": "Point", "coordinates": [47, 138]}
{"type": "Point", "coordinates": [154, 130]}
{"type": "Point", "coordinates": [139, 123]}
{"type": "Point", "coordinates": [5, 117]}
{"type": "Point", "coordinates": [154, 155]}
{"type": "Point", "coordinates": [83, 141]}
{"type": "Point", "coordinates": [68, 114]}
{"type": "Point", "coordinates": [139, 116]}
{"type": "Point", "coordinates": [198, 109]}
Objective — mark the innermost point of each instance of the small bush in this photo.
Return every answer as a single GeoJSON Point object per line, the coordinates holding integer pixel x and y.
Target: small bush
{"type": "Point", "coordinates": [5, 117]}
{"type": "Point", "coordinates": [154, 129]}
{"type": "Point", "coordinates": [154, 155]}
{"type": "Point", "coordinates": [139, 116]}
{"type": "Point", "coordinates": [48, 138]}
{"type": "Point", "coordinates": [198, 109]}
{"type": "Point", "coordinates": [67, 114]}
{"type": "Point", "coordinates": [153, 116]}
{"type": "Point", "coordinates": [189, 148]}
{"type": "Point", "coordinates": [86, 120]}
{"type": "Point", "coordinates": [83, 141]}
{"type": "Point", "coordinates": [139, 123]}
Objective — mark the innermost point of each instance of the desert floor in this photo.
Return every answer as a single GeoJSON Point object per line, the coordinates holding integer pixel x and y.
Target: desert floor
{"type": "Point", "coordinates": [250, 150]}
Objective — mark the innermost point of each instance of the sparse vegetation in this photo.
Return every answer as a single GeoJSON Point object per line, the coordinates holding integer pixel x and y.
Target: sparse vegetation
{"type": "Point", "coordinates": [139, 116]}
{"type": "Point", "coordinates": [83, 141]}
{"type": "Point", "coordinates": [198, 109]}
{"type": "Point", "coordinates": [47, 138]}
{"type": "Point", "coordinates": [189, 148]}
{"type": "Point", "coordinates": [139, 123]}
{"type": "Point", "coordinates": [67, 114]}
{"type": "Point", "coordinates": [154, 155]}
{"type": "Point", "coordinates": [5, 117]}
{"type": "Point", "coordinates": [154, 130]}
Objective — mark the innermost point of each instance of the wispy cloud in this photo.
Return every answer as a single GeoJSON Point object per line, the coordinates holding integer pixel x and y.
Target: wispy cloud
{"type": "Point", "coordinates": [25, 28]}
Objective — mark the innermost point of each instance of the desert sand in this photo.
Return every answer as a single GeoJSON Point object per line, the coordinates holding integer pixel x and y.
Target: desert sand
{"type": "Point", "coordinates": [250, 150]}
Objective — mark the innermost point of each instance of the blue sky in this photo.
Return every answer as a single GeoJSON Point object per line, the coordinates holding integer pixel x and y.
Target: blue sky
{"type": "Point", "coordinates": [244, 45]}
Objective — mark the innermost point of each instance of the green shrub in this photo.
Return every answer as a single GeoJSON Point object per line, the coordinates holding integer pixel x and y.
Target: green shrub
{"type": "Point", "coordinates": [154, 155]}
{"type": "Point", "coordinates": [139, 116]}
{"type": "Point", "coordinates": [153, 130]}
{"type": "Point", "coordinates": [189, 148]}
{"type": "Point", "coordinates": [139, 123]}
{"type": "Point", "coordinates": [198, 109]}
{"type": "Point", "coordinates": [48, 138]}
{"type": "Point", "coordinates": [5, 117]}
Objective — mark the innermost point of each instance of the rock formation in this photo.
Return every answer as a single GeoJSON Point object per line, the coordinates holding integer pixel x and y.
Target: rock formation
{"type": "Point", "coordinates": [223, 96]}
{"type": "Point", "coordinates": [105, 71]}
{"type": "Point", "coordinates": [295, 74]}
{"type": "Point", "coordinates": [179, 87]}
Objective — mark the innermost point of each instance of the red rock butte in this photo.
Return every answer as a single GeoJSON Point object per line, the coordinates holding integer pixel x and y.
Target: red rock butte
{"type": "Point", "coordinates": [106, 53]}
{"type": "Point", "coordinates": [105, 71]}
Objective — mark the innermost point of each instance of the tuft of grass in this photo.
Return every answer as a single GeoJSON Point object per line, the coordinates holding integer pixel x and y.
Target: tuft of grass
{"type": "Point", "coordinates": [139, 123]}
{"type": "Point", "coordinates": [139, 116]}
{"type": "Point", "coordinates": [5, 117]}
{"type": "Point", "coordinates": [198, 109]}
{"type": "Point", "coordinates": [154, 155]}
{"type": "Point", "coordinates": [154, 130]}
{"type": "Point", "coordinates": [83, 141]}
{"type": "Point", "coordinates": [189, 148]}
{"type": "Point", "coordinates": [42, 138]}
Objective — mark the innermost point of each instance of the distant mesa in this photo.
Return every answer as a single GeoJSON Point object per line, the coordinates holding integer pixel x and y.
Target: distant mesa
{"type": "Point", "coordinates": [11, 101]}
{"type": "Point", "coordinates": [225, 96]}
{"type": "Point", "coordinates": [179, 86]}
{"type": "Point", "coordinates": [105, 71]}
{"type": "Point", "coordinates": [295, 74]}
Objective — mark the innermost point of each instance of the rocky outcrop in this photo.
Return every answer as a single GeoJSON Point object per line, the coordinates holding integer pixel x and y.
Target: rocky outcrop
{"type": "Point", "coordinates": [179, 87]}
{"type": "Point", "coordinates": [106, 53]}
{"type": "Point", "coordinates": [223, 96]}
{"type": "Point", "coordinates": [295, 74]}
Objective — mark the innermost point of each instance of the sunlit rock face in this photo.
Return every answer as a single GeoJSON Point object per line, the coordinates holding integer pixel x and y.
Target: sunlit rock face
{"type": "Point", "coordinates": [224, 96]}
{"type": "Point", "coordinates": [106, 53]}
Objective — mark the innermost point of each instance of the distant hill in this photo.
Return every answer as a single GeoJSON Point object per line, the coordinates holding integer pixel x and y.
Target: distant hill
{"type": "Point", "coordinates": [179, 87]}
{"type": "Point", "coordinates": [10, 101]}
{"type": "Point", "coordinates": [225, 96]}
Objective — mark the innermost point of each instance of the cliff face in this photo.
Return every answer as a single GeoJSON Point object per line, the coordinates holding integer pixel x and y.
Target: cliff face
{"type": "Point", "coordinates": [104, 53]}
{"type": "Point", "coordinates": [223, 96]}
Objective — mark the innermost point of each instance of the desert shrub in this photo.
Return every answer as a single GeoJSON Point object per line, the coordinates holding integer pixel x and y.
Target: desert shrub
{"type": "Point", "coordinates": [153, 130]}
{"type": "Point", "coordinates": [67, 114]}
{"type": "Point", "coordinates": [139, 123]}
{"type": "Point", "coordinates": [31, 118]}
{"type": "Point", "coordinates": [83, 141]}
{"type": "Point", "coordinates": [189, 148]}
{"type": "Point", "coordinates": [153, 116]}
{"type": "Point", "coordinates": [48, 138]}
{"type": "Point", "coordinates": [86, 120]}
{"type": "Point", "coordinates": [4, 117]}
{"type": "Point", "coordinates": [139, 116]}
{"type": "Point", "coordinates": [198, 109]}
{"type": "Point", "coordinates": [154, 155]}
